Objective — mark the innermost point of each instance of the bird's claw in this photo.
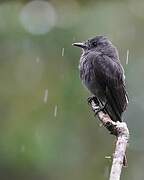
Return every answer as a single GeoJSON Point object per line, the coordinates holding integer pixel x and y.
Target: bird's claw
{"type": "Point", "coordinates": [98, 109]}
{"type": "Point", "coordinates": [93, 98]}
{"type": "Point", "coordinates": [98, 106]}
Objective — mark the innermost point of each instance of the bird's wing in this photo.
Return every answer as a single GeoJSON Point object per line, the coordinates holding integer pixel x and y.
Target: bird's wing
{"type": "Point", "coordinates": [111, 74]}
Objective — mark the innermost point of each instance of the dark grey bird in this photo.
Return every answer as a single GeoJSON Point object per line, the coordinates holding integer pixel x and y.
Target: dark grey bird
{"type": "Point", "coordinates": [102, 73]}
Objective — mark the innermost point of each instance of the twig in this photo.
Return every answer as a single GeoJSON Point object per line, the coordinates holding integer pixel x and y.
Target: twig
{"type": "Point", "coordinates": [120, 130]}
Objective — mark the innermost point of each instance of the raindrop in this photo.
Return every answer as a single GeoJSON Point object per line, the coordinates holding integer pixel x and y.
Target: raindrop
{"type": "Point", "coordinates": [127, 57]}
{"type": "Point", "coordinates": [46, 96]}
{"type": "Point", "coordinates": [55, 111]}
{"type": "Point", "coordinates": [63, 51]}
{"type": "Point", "coordinates": [23, 148]}
{"type": "Point", "coordinates": [37, 59]}
{"type": "Point", "coordinates": [107, 157]}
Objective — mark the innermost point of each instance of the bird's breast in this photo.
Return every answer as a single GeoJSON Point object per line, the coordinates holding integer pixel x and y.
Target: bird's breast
{"type": "Point", "coordinates": [88, 77]}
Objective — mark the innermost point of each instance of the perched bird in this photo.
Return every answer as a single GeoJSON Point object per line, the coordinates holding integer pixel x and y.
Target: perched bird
{"type": "Point", "coordinates": [102, 73]}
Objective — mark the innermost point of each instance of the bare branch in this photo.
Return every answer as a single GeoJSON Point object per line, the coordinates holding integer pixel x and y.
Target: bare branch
{"type": "Point", "coordinates": [119, 155]}
{"type": "Point", "coordinates": [120, 130]}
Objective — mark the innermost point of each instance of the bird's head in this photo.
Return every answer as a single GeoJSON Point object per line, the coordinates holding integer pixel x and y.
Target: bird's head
{"type": "Point", "coordinates": [98, 42]}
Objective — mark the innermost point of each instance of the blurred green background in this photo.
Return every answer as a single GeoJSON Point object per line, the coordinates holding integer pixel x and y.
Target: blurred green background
{"type": "Point", "coordinates": [47, 130]}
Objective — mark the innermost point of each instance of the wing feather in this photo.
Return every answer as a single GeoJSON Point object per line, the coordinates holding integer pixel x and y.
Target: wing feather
{"type": "Point", "coordinates": [112, 74]}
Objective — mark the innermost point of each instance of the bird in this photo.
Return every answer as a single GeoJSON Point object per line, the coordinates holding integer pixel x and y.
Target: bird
{"type": "Point", "coordinates": [103, 75]}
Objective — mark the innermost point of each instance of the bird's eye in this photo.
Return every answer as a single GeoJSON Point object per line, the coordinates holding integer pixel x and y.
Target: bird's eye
{"type": "Point", "coordinates": [94, 44]}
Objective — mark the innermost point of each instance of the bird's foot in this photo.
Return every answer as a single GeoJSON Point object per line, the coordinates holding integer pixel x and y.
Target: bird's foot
{"type": "Point", "coordinates": [93, 98]}
{"type": "Point", "coordinates": [97, 106]}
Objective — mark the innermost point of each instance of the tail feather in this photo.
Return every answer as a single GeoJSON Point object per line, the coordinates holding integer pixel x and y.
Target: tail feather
{"type": "Point", "coordinates": [112, 107]}
{"type": "Point", "coordinates": [112, 111]}
{"type": "Point", "coordinates": [116, 102]}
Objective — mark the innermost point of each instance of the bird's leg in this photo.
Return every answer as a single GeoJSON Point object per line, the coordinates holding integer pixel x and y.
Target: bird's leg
{"type": "Point", "coordinates": [99, 106]}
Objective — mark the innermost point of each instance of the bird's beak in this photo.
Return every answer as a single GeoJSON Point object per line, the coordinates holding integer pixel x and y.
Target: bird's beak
{"type": "Point", "coordinates": [80, 44]}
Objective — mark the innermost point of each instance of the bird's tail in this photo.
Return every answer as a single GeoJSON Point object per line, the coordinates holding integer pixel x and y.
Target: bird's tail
{"type": "Point", "coordinates": [111, 110]}
{"type": "Point", "coordinates": [116, 103]}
